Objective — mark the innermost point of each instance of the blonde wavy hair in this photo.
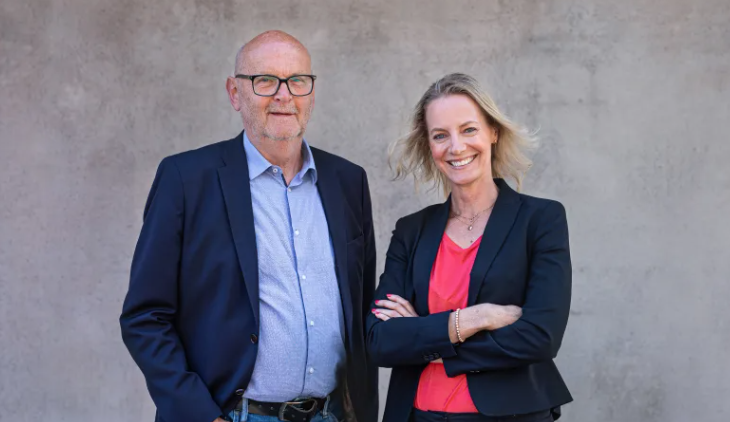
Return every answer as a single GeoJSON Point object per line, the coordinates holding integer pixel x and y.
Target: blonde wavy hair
{"type": "Point", "coordinates": [412, 154]}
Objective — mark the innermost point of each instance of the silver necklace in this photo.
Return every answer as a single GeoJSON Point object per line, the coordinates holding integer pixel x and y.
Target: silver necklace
{"type": "Point", "coordinates": [469, 221]}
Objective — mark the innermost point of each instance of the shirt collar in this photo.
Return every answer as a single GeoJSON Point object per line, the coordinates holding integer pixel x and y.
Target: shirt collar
{"type": "Point", "coordinates": [257, 163]}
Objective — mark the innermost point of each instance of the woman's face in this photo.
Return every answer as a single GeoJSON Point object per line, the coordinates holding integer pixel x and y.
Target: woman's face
{"type": "Point", "coordinates": [460, 139]}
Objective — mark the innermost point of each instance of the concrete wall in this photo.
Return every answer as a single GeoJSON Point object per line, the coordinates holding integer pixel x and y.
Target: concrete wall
{"type": "Point", "coordinates": [631, 98]}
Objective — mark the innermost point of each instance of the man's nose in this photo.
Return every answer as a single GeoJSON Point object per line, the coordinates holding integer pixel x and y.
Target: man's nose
{"type": "Point", "coordinates": [283, 94]}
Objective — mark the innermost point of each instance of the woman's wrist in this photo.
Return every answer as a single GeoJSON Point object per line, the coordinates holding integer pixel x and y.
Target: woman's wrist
{"type": "Point", "coordinates": [453, 338]}
{"type": "Point", "coordinates": [469, 324]}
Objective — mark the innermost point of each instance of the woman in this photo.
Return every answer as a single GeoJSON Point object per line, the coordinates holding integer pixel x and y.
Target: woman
{"type": "Point", "coordinates": [473, 303]}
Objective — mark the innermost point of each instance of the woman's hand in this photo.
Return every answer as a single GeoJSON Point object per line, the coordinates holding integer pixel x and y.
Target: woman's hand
{"type": "Point", "coordinates": [495, 317]}
{"type": "Point", "coordinates": [394, 307]}
{"type": "Point", "coordinates": [484, 316]}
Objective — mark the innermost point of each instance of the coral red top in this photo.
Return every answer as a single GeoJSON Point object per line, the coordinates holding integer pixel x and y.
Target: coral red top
{"type": "Point", "coordinates": [448, 289]}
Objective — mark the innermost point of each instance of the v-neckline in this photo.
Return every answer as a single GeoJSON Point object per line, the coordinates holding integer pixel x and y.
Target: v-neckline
{"type": "Point", "coordinates": [453, 242]}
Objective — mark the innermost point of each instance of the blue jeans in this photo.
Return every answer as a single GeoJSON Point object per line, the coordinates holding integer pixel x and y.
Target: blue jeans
{"type": "Point", "coordinates": [331, 413]}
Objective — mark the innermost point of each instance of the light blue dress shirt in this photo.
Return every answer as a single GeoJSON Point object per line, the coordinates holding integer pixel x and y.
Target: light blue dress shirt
{"type": "Point", "coordinates": [301, 335]}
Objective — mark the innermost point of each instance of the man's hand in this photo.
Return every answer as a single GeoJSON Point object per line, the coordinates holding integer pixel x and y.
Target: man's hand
{"type": "Point", "coordinates": [394, 307]}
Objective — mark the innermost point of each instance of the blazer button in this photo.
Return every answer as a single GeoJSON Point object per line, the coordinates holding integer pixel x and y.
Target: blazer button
{"type": "Point", "coordinates": [254, 339]}
{"type": "Point", "coordinates": [239, 392]}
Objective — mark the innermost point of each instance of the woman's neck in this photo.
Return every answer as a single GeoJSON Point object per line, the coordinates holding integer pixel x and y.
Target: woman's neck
{"type": "Point", "coordinates": [471, 199]}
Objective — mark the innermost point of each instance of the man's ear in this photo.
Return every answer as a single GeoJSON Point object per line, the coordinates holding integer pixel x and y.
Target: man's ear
{"type": "Point", "coordinates": [232, 89]}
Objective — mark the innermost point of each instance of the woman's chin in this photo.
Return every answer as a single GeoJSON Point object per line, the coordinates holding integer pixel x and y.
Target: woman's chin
{"type": "Point", "coordinates": [465, 179]}
{"type": "Point", "coordinates": [462, 180]}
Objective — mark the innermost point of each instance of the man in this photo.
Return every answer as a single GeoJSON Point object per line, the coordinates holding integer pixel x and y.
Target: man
{"type": "Point", "coordinates": [255, 266]}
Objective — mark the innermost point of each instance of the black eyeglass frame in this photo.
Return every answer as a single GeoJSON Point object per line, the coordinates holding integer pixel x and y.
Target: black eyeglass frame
{"type": "Point", "coordinates": [280, 80]}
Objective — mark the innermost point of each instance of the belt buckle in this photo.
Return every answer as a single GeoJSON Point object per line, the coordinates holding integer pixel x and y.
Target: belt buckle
{"type": "Point", "coordinates": [284, 405]}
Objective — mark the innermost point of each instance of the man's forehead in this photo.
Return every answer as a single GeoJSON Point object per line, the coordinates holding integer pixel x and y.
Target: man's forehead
{"type": "Point", "coordinates": [277, 57]}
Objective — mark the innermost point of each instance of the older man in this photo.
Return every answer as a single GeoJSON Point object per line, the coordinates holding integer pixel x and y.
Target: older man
{"type": "Point", "coordinates": [255, 266]}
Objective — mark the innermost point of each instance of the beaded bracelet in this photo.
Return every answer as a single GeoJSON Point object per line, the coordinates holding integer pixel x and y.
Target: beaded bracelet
{"type": "Point", "coordinates": [456, 323]}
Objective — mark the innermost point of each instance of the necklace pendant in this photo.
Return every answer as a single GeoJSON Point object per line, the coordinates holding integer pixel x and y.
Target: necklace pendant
{"type": "Point", "coordinates": [471, 227]}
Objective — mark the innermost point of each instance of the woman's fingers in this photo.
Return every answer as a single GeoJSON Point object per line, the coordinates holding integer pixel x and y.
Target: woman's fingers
{"type": "Point", "coordinates": [387, 313]}
{"type": "Point", "coordinates": [380, 315]}
{"type": "Point", "coordinates": [396, 302]}
{"type": "Point", "coordinates": [395, 306]}
{"type": "Point", "coordinates": [406, 304]}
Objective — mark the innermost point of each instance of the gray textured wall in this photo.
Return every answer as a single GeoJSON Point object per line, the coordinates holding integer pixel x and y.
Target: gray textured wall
{"type": "Point", "coordinates": [631, 98]}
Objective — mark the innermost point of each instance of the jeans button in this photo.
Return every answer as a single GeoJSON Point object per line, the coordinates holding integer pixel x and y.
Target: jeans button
{"type": "Point", "coordinates": [254, 338]}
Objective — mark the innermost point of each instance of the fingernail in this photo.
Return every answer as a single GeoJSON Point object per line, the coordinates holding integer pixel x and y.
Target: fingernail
{"type": "Point", "coordinates": [377, 302]}
{"type": "Point", "coordinates": [389, 296]}
{"type": "Point", "coordinates": [375, 311]}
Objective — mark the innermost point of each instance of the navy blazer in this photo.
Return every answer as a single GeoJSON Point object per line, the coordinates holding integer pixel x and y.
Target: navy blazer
{"type": "Point", "coordinates": [190, 317]}
{"type": "Point", "coordinates": [523, 260]}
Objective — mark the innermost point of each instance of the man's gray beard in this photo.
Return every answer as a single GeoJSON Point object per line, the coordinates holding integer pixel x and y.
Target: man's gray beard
{"type": "Point", "coordinates": [280, 138]}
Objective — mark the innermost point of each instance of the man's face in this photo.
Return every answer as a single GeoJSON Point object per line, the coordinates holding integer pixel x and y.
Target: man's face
{"type": "Point", "coordinates": [281, 117]}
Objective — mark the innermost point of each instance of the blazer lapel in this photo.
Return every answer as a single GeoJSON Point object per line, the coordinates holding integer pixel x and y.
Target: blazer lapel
{"type": "Point", "coordinates": [425, 255]}
{"type": "Point", "coordinates": [237, 193]}
{"type": "Point", "coordinates": [330, 192]}
{"type": "Point", "coordinates": [498, 227]}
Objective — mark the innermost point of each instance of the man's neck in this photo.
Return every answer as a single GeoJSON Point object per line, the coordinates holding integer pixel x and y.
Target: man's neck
{"type": "Point", "coordinates": [285, 154]}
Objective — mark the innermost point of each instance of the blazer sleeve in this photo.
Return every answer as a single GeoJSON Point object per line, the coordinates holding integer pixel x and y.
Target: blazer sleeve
{"type": "Point", "coordinates": [368, 288]}
{"type": "Point", "coordinates": [537, 335]}
{"type": "Point", "coordinates": [148, 314]}
{"type": "Point", "coordinates": [404, 341]}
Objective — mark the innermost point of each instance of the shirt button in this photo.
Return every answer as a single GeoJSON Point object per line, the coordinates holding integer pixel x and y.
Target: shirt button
{"type": "Point", "coordinates": [276, 170]}
{"type": "Point", "coordinates": [311, 370]}
{"type": "Point", "coordinates": [288, 189]}
{"type": "Point", "coordinates": [304, 277]}
{"type": "Point", "coordinates": [296, 232]}
{"type": "Point", "coordinates": [311, 323]}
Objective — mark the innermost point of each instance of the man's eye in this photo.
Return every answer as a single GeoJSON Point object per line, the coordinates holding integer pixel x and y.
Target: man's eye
{"type": "Point", "coordinates": [265, 80]}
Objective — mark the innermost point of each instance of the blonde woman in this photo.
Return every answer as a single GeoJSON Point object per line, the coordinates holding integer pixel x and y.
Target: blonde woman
{"type": "Point", "coordinates": [474, 300]}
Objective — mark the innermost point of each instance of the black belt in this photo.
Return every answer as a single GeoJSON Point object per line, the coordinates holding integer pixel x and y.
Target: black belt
{"type": "Point", "coordinates": [428, 416]}
{"type": "Point", "coordinates": [290, 411]}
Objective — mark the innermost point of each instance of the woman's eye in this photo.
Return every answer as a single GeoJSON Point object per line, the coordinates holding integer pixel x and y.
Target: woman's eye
{"type": "Point", "coordinates": [470, 130]}
{"type": "Point", "coordinates": [438, 136]}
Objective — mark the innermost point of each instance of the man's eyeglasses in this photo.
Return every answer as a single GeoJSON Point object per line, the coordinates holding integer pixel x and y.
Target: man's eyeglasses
{"type": "Point", "coordinates": [268, 85]}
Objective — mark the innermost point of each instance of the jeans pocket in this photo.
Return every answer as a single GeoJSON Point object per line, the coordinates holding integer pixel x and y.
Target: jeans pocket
{"type": "Point", "coordinates": [234, 416]}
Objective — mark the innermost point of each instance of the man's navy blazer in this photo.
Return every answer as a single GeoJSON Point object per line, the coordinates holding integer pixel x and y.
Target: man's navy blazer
{"type": "Point", "coordinates": [191, 316]}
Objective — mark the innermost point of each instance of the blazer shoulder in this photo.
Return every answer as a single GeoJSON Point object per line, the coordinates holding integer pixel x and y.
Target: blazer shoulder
{"type": "Point", "coordinates": [542, 214]}
{"type": "Point", "coordinates": [200, 158]}
{"type": "Point", "coordinates": [201, 162]}
{"type": "Point", "coordinates": [539, 205]}
{"type": "Point", "coordinates": [413, 223]}
{"type": "Point", "coordinates": [324, 158]}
